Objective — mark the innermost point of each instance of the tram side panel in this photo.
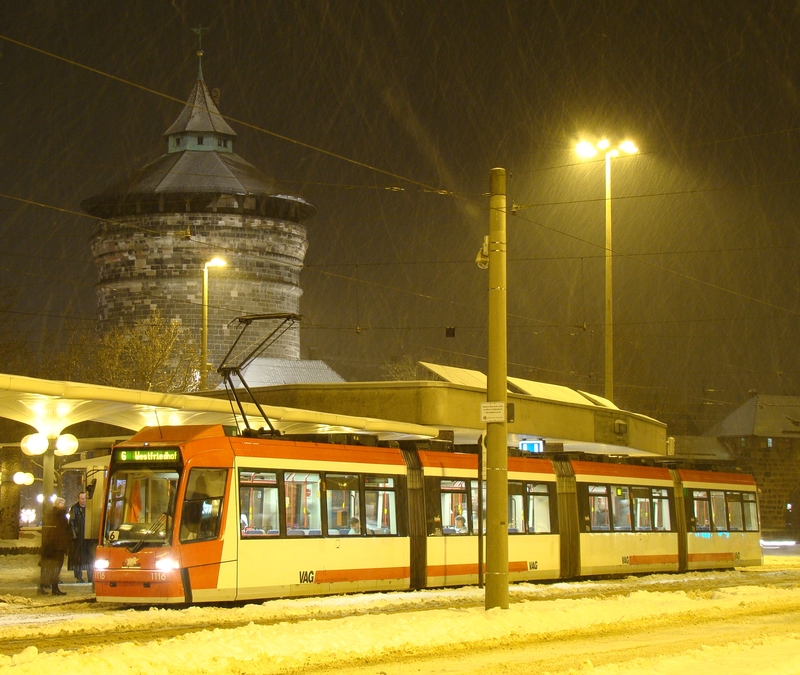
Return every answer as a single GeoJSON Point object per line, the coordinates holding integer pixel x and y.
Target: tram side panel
{"type": "Point", "coordinates": [331, 524]}
{"type": "Point", "coordinates": [627, 519]}
{"type": "Point", "coordinates": [722, 519]}
{"type": "Point", "coordinates": [451, 509]}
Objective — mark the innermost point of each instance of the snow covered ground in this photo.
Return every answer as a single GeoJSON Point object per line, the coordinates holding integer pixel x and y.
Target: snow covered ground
{"type": "Point", "coordinates": [365, 634]}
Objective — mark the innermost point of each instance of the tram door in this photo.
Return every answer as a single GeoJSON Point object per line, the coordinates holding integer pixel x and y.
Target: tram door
{"type": "Point", "coordinates": [200, 528]}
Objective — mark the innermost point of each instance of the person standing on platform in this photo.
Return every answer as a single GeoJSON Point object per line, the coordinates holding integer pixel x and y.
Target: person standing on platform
{"type": "Point", "coordinates": [56, 540]}
{"type": "Point", "coordinates": [79, 555]}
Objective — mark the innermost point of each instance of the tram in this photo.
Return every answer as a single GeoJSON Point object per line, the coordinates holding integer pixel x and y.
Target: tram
{"type": "Point", "coordinates": [196, 514]}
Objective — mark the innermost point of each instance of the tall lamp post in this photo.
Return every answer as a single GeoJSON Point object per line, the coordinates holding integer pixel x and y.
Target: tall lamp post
{"type": "Point", "coordinates": [214, 262]}
{"type": "Point", "coordinates": [587, 150]}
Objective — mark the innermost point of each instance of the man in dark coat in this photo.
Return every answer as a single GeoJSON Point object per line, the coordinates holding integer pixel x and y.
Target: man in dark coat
{"type": "Point", "coordinates": [56, 540]}
{"type": "Point", "coordinates": [79, 555]}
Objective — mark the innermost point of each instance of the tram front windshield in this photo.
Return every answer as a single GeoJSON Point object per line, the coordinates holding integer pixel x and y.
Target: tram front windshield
{"type": "Point", "coordinates": [141, 505]}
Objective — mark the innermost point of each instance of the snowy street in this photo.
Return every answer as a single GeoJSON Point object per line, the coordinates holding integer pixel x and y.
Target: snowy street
{"type": "Point", "coordinates": [742, 621]}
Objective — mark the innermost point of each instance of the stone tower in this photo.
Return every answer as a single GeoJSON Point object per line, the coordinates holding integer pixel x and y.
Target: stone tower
{"type": "Point", "coordinates": [157, 228]}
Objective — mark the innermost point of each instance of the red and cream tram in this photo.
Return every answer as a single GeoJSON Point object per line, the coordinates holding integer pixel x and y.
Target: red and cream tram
{"type": "Point", "coordinates": [197, 514]}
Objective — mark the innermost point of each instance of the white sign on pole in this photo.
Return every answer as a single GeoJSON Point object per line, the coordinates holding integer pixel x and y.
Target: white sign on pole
{"type": "Point", "coordinates": [493, 411]}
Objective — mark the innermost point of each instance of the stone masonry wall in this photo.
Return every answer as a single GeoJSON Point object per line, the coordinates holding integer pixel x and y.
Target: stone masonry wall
{"type": "Point", "coordinates": [156, 262]}
{"type": "Point", "coordinates": [776, 472]}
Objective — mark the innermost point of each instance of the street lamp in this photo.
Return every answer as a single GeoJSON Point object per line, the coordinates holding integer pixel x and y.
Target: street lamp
{"type": "Point", "coordinates": [214, 262]}
{"type": "Point", "coordinates": [587, 150]}
{"type": "Point", "coordinates": [38, 444]}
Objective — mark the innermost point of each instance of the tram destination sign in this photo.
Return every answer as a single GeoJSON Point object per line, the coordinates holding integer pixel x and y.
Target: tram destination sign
{"type": "Point", "coordinates": [147, 455]}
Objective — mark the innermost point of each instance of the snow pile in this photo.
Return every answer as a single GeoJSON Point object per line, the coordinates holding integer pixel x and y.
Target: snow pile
{"type": "Point", "coordinates": [276, 648]}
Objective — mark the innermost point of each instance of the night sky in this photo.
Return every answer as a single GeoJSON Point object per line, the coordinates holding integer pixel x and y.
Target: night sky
{"type": "Point", "coordinates": [388, 115]}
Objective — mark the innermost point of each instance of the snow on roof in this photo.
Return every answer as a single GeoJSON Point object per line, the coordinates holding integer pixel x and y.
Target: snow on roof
{"type": "Point", "coordinates": [268, 372]}
{"type": "Point", "coordinates": [763, 415]}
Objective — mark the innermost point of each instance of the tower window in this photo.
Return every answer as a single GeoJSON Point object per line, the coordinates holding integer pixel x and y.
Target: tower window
{"type": "Point", "coordinates": [177, 140]}
{"type": "Point", "coordinates": [199, 140]}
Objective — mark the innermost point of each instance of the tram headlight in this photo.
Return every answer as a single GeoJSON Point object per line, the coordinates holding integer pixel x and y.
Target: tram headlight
{"type": "Point", "coordinates": [167, 564]}
{"type": "Point", "coordinates": [101, 564]}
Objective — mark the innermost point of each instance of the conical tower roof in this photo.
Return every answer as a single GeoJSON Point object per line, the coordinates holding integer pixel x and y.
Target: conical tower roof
{"type": "Point", "coordinates": [200, 115]}
{"type": "Point", "coordinates": [199, 173]}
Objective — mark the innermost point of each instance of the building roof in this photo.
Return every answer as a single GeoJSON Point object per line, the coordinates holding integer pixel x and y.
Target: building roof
{"type": "Point", "coordinates": [701, 448]}
{"type": "Point", "coordinates": [763, 415]}
{"type": "Point", "coordinates": [200, 114]}
{"type": "Point", "coordinates": [50, 406]}
{"type": "Point", "coordinates": [572, 422]}
{"type": "Point", "coordinates": [198, 178]}
{"type": "Point", "coordinates": [268, 372]}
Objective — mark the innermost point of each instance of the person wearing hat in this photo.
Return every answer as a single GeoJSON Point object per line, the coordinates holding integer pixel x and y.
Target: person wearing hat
{"type": "Point", "coordinates": [56, 540]}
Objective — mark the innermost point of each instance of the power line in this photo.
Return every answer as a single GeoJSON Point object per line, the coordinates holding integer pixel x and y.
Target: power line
{"type": "Point", "coordinates": [243, 123]}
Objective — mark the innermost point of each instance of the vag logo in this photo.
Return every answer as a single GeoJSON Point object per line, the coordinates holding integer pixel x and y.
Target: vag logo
{"type": "Point", "coordinates": [307, 577]}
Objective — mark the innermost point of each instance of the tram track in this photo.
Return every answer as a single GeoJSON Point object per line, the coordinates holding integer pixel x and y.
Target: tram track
{"type": "Point", "coordinates": [75, 637]}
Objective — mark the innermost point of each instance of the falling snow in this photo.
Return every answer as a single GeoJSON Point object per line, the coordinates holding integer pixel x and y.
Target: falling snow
{"type": "Point", "coordinates": [388, 116]}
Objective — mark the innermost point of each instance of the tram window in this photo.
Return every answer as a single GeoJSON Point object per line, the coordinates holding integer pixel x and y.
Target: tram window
{"type": "Point", "coordinates": [661, 518]}
{"type": "Point", "coordinates": [735, 516]}
{"type": "Point", "coordinates": [598, 508]}
{"type": "Point", "coordinates": [538, 508]}
{"type": "Point", "coordinates": [642, 509]}
{"type": "Point", "coordinates": [473, 490]}
{"type": "Point", "coordinates": [202, 504]}
{"type": "Point", "coordinates": [621, 507]}
{"type": "Point", "coordinates": [380, 505]}
{"type": "Point", "coordinates": [303, 508]}
{"type": "Point", "coordinates": [516, 509]}
{"type": "Point", "coordinates": [140, 506]}
{"type": "Point", "coordinates": [258, 503]}
{"type": "Point", "coordinates": [750, 512]}
{"type": "Point", "coordinates": [701, 511]}
{"type": "Point", "coordinates": [344, 506]}
{"type": "Point", "coordinates": [718, 516]}
{"type": "Point", "coordinates": [454, 504]}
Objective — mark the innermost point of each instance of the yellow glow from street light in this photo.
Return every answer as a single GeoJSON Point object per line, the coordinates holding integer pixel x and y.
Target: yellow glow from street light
{"type": "Point", "coordinates": [629, 147]}
{"type": "Point", "coordinates": [215, 262]}
{"type": "Point", "coordinates": [603, 144]}
{"type": "Point", "coordinates": [586, 149]}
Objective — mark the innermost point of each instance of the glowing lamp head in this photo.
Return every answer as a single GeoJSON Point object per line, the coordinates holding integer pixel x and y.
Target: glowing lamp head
{"type": "Point", "coordinates": [23, 478]}
{"type": "Point", "coordinates": [629, 147]}
{"type": "Point", "coordinates": [66, 444]}
{"type": "Point", "coordinates": [34, 444]}
{"type": "Point", "coordinates": [586, 149]}
{"type": "Point", "coordinates": [215, 262]}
